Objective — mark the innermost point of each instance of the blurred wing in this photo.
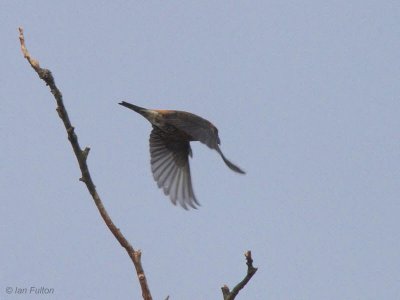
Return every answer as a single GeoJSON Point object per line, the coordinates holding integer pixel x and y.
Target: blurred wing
{"type": "Point", "coordinates": [197, 128]}
{"type": "Point", "coordinates": [170, 167]}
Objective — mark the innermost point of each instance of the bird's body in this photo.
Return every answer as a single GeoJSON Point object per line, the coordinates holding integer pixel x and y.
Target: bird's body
{"type": "Point", "coordinates": [170, 149]}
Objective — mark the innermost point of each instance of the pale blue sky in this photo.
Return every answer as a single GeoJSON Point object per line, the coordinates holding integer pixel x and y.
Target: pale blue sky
{"type": "Point", "coordinates": [306, 98]}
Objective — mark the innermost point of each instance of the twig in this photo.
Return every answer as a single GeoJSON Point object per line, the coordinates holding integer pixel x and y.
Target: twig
{"type": "Point", "coordinates": [230, 295]}
{"type": "Point", "coordinates": [81, 156]}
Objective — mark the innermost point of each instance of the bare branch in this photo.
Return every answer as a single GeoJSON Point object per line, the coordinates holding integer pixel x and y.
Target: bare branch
{"type": "Point", "coordinates": [230, 295]}
{"type": "Point", "coordinates": [81, 156]}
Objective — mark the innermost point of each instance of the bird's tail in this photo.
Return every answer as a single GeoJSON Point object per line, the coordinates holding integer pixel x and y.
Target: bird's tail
{"type": "Point", "coordinates": [138, 109]}
{"type": "Point", "coordinates": [231, 166]}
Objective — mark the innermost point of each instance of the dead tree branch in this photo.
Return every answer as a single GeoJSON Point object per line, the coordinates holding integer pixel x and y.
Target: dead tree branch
{"type": "Point", "coordinates": [230, 295]}
{"type": "Point", "coordinates": [81, 156]}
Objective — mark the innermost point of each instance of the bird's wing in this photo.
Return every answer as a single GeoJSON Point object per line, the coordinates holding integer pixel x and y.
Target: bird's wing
{"type": "Point", "coordinates": [196, 127]}
{"type": "Point", "coordinates": [200, 129]}
{"type": "Point", "coordinates": [170, 167]}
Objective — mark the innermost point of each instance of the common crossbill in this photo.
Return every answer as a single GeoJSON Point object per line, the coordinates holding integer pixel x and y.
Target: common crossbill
{"type": "Point", "coordinates": [170, 150]}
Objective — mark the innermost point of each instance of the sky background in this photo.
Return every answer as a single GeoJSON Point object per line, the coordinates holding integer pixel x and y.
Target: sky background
{"type": "Point", "coordinates": [305, 95]}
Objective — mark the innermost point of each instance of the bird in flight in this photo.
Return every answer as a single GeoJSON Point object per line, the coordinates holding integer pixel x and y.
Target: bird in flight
{"type": "Point", "coordinates": [170, 150]}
